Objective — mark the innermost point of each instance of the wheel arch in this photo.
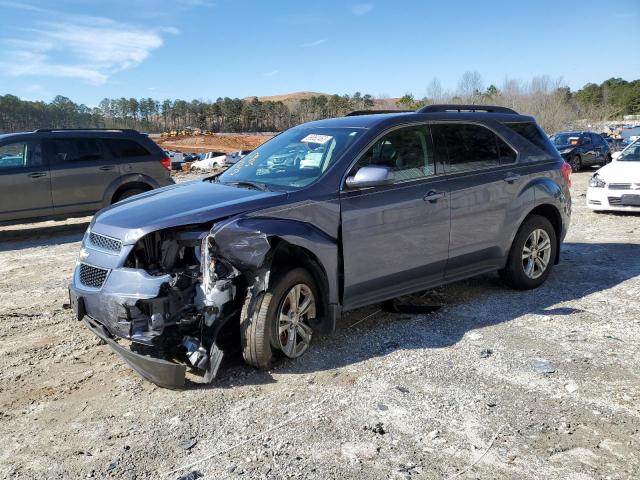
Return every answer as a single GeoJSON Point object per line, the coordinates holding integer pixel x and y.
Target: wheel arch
{"type": "Point", "coordinates": [551, 213]}
{"type": "Point", "coordinates": [124, 182]}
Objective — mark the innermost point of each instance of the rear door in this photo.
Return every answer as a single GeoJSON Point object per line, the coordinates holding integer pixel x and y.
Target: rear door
{"type": "Point", "coordinates": [483, 178]}
{"type": "Point", "coordinates": [81, 170]}
{"type": "Point", "coordinates": [588, 149]}
{"type": "Point", "coordinates": [395, 238]}
{"type": "Point", "coordinates": [600, 148]}
{"type": "Point", "coordinates": [25, 183]}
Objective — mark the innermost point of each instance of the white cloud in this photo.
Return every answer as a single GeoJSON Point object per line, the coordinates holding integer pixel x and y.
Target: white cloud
{"type": "Point", "coordinates": [271, 73]}
{"type": "Point", "coordinates": [83, 47]}
{"type": "Point", "coordinates": [316, 43]}
{"type": "Point", "coordinates": [360, 9]}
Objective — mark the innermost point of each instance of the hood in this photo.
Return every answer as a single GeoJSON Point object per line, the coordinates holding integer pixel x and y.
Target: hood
{"type": "Point", "coordinates": [181, 204]}
{"type": "Point", "coordinates": [620, 172]}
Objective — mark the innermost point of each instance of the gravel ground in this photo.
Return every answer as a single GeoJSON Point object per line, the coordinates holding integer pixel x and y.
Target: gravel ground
{"type": "Point", "coordinates": [496, 384]}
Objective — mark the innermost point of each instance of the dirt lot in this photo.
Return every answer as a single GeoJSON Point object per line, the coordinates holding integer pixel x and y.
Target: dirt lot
{"type": "Point", "coordinates": [459, 393]}
{"type": "Point", "coordinates": [205, 143]}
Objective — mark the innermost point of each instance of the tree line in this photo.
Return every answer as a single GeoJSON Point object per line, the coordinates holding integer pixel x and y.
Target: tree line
{"type": "Point", "coordinates": [149, 115]}
{"type": "Point", "coordinates": [553, 104]}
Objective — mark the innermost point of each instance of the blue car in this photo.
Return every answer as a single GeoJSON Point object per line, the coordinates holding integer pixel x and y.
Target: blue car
{"type": "Point", "coordinates": [393, 204]}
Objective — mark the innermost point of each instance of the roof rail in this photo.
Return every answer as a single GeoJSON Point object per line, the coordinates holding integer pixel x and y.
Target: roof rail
{"type": "Point", "coordinates": [466, 108]}
{"type": "Point", "coordinates": [124, 130]}
{"type": "Point", "coordinates": [357, 113]}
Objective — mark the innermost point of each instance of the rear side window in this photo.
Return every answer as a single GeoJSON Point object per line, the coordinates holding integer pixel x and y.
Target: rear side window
{"type": "Point", "coordinates": [124, 148]}
{"type": "Point", "coordinates": [463, 147]}
{"type": "Point", "coordinates": [70, 150]}
{"type": "Point", "coordinates": [534, 134]}
{"type": "Point", "coordinates": [405, 150]}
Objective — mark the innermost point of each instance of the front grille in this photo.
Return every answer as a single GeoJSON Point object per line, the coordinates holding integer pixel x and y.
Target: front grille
{"type": "Point", "coordinates": [91, 276]}
{"type": "Point", "coordinates": [619, 186]}
{"type": "Point", "coordinates": [105, 243]}
{"type": "Point", "coordinates": [614, 201]}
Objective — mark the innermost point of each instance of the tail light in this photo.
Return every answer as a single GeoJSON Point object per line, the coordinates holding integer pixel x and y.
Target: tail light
{"type": "Point", "coordinates": [565, 169]}
{"type": "Point", "coordinates": [166, 163]}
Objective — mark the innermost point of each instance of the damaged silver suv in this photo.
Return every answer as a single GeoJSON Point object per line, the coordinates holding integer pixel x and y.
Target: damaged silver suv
{"type": "Point", "coordinates": [381, 205]}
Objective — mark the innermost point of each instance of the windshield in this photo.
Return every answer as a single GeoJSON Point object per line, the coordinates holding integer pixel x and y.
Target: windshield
{"type": "Point", "coordinates": [631, 153]}
{"type": "Point", "coordinates": [566, 139]}
{"type": "Point", "coordinates": [293, 159]}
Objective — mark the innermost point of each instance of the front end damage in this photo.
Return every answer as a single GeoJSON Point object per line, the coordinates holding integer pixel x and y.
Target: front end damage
{"type": "Point", "coordinates": [165, 301]}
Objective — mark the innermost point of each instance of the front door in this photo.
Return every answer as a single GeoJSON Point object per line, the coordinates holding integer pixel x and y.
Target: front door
{"type": "Point", "coordinates": [395, 237]}
{"type": "Point", "coordinates": [25, 183]}
{"type": "Point", "coordinates": [81, 171]}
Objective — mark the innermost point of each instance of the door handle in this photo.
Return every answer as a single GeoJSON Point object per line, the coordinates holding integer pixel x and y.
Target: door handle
{"type": "Point", "coordinates": [106, 168]}
{"type": "Point", "coordinates": [37, 174]}
{"type": "Point", "coordinates": [511, 177]}
{"type": "Point", "coordinates": [433, 196]}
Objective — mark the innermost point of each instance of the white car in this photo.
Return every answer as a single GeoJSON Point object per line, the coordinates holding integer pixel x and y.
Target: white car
{"type": "Point", "coordinates": [616, 186]}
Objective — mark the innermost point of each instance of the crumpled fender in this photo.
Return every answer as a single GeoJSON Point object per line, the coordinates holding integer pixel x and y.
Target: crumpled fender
{"type": "Point", "coordinates": [245, 243]}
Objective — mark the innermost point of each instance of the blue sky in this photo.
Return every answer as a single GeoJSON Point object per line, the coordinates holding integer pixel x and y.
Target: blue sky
{"type": "Point", "coordinates": [91, 49]}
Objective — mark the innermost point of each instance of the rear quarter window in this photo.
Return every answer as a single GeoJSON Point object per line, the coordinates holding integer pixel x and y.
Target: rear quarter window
{"type": "Point", "coordinates": [533, 133]}
{"type": "Point", "coordinates": [124, 148]}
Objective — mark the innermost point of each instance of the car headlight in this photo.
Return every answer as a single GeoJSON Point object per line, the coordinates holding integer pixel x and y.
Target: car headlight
{"type": "Point", "coordinates": [597, 181]}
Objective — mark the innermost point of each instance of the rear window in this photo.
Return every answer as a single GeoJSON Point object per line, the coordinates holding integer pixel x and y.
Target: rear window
{"type": "Point", "coordinates": [533, 133]}
{"type": "Point", "coordinates": [470, 147]}
{"type": "Point", "coordinates": [123, 148]}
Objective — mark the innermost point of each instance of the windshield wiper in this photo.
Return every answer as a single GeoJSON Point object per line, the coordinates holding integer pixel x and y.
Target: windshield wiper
{"type": "Point", "coordinates": [247, 183]}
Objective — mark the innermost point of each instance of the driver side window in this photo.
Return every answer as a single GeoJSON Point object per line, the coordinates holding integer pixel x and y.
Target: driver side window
{"type": "Point", "coordinates": [406, 151]}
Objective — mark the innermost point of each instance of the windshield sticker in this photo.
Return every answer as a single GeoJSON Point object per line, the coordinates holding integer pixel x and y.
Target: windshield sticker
{"type": "Point", "coordinates": [313, 138]}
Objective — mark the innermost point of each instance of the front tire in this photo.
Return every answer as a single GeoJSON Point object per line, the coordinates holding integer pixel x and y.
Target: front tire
{"type": "Point", "coordinates": [278, 321]}
{"type": "Point", "coordinates": [576, 163]}
{"type": "Point", "coordinates": [532, 254]}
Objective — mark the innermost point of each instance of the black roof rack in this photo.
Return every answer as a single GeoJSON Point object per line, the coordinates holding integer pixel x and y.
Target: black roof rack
{"type": "Point", "coordinates": [124, 130]}
{"type": "Point", "coordinates": [466, 108]}
{"type": "Point", "coordinates": [357, 113]}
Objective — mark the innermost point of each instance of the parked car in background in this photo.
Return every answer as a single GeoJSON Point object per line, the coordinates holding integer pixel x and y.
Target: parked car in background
{"type": "Point", "coordinates": [616, 144]}
{"type": "Point", "coordinates": [235, 157]}
{"type": "Point", "coordinates": [64, 173]}
{"type": "Point", "coordinates": [210, 160]}
{"type": "Point", "coordinates": [616, 186]}
{"type": "Point", "coordinates": [582, 149]}
{"type": "Point", "coordinates": [400, 203]}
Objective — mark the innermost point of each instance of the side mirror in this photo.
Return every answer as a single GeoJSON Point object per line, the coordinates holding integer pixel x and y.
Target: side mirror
{"type": "Point", "coordinates": [371, 176]}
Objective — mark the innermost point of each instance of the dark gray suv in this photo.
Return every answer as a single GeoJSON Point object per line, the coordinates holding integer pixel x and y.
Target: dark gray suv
{"type": "Point", "coordinates": [64, 173]}
{"type": "Point", "coordinates": [381, 206]}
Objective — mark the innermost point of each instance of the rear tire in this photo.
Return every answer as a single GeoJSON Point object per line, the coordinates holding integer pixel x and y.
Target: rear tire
{"type": "Point", "coordinates": [261, 320]}
{"type": "Point", "coordinates": [532, 254]}
{"type": "Point", "coordinates": [128, 194]}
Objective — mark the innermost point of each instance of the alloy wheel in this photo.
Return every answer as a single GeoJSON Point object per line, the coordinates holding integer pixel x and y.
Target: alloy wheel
{"type": "Point", "coordinates": [294, 333]}
{"type": "Point", "coordinates": [536, 253]}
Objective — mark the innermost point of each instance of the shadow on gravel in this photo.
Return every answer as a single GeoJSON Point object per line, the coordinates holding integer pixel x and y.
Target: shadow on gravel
{"type": "Point", "coordinates": [36, 235]}
{"type": "Point", "coordinates": [585, 268]}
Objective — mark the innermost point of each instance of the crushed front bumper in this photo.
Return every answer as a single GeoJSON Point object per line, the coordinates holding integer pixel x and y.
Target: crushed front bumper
{"type": "Point", "coordinates": [105, 312]}
{"type": "Point", "coordinates": [161, 372]}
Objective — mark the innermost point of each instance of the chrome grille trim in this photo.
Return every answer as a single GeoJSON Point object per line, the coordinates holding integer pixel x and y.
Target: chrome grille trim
{"type": "Point", "coordinates": [91, 276]}
{"type": "Point", "coordinates": [619, 186]}
{"type": "Point", "coordinates": [105, 243]}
